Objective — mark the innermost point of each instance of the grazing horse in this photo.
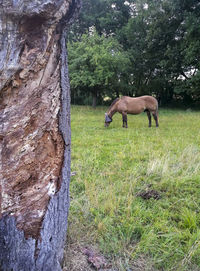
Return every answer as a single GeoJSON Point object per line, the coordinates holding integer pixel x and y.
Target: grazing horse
{"type": "Point", "coordinates": [128, 105]}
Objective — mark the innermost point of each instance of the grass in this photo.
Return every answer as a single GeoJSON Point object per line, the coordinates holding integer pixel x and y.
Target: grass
{"type": "Point", "coordinates": [113, 165]}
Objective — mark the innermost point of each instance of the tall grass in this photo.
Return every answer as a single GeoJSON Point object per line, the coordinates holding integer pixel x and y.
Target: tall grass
{"type": "Point", "coordinates": [113, 165]}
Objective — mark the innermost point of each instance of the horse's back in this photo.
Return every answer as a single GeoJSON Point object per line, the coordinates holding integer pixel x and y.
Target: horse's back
{"type": "Point", "coordinates": [131, 105]}
{"type": "Point", "coordinates": [148, 98]}
{"type": "Point", "coordinates": [137, 105]}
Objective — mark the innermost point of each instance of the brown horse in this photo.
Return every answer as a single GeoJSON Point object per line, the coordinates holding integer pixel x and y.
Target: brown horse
{"type": "Point", "coordinates": [127, 105]}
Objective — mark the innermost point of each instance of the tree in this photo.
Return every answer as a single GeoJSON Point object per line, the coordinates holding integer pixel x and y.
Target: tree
{"type": "Point", "coordinates": [97, 65]}
{"type": "Point", "coordinates": [189, 85]}
{"type": "Point", "coordinates": [161, 48]}
{"type": "Point", "coordinates": [106, 16]}
{"type": "Point", "coordinates": [34, 133]}
{"type": "Point", "coordinates": [160, 38]}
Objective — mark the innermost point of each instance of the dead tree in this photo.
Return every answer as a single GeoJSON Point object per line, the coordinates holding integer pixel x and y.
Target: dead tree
{"type": "Point", "coordinates": [34, 132]}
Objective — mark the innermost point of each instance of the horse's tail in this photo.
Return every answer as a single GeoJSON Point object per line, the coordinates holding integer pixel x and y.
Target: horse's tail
{"type": "Point", "coordinates": [157, 108]}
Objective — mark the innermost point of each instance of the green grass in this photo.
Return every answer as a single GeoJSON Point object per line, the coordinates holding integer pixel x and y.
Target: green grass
{"type": "Point", "coordinates": [113, 165]}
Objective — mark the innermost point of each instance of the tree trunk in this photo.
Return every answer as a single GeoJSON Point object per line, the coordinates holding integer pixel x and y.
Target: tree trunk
{"type": "Point", "coordinates": [34, 133]}
{"type": "Point", "coordinates": [94, 99]}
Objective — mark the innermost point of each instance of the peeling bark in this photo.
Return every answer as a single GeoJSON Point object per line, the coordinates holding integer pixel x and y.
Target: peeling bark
{"type": "Point", "coordinates": [34, 132]}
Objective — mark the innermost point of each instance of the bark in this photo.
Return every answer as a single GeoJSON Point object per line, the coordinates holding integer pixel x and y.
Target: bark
{"type": "Point", "coordinates": [34, 132]}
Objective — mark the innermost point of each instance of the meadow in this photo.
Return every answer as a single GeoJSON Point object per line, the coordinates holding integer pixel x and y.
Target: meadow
{"type": "Point", "coordinates": [114, 167]}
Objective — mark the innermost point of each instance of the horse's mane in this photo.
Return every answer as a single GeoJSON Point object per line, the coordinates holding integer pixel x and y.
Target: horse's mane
{"type": "Point", "coordinates": [114, 102]}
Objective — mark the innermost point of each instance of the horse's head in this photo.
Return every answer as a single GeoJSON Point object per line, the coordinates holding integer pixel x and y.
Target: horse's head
{"type": "Point", "coordinates": [108, 120]}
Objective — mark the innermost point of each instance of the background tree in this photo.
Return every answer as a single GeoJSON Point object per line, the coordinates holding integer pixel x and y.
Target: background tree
{"type": "Point", "coordinates": [97, 66]}
{"type": "Point", "coordinates": [160, 39]}
{"type": "Point", "coordinates": [106, 16]}
{"type": "Point", "coordinates": [156, 39]}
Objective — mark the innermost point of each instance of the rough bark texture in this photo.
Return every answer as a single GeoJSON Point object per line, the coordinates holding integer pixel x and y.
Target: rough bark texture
{"type": "Point", "coordinates": [34, 132]}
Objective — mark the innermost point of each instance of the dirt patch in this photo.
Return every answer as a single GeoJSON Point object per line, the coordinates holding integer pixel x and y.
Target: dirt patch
{"type": "Point", "coordinates": [74, 259]}
{"type": "Point", "coordinates": [148, 194]}
{"type": "Point", "coordinates": [81, 258]}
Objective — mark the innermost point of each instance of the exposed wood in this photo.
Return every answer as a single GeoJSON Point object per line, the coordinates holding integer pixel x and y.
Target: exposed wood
{"type": "Point", "coordinates": [34, 132]}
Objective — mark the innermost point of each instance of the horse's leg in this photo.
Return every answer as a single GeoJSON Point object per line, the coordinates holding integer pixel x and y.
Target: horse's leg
{"type": "Point", "coordinates": [126, 120]}
{"type": "Point", "coordinates": [124, 117]}
{"type": "Point", "coordinates": [123, 121]}
{"type": "Point", "coordinates": [149, 117]}
{"type": "Point", "coordinates": [155, 116]}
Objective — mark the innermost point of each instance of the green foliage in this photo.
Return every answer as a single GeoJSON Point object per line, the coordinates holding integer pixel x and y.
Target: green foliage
{"type": "Point", "coordinates": [96, 64]}
{"type": "Point", "coordinates": [114, 165]}
{"type": "Point", "coordinates": [161, 40]}
{"type": "Point", "coordinates": [163, 46]}
{"type": "Point", "coordinates": [107, 16]}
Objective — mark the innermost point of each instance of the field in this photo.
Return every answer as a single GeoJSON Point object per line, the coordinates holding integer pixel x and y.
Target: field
{"type": "Point", "coordinates": [136, 192]}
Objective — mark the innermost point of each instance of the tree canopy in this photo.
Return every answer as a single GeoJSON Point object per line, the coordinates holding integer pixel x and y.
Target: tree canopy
{"type": "Point", "coordinates": [97, 65]}
{"type": "Point", "coordinates": [137, 47]}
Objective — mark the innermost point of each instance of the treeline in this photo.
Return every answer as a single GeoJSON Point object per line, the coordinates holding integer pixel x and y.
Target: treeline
{"type": "Point", "coordinates": [134, 48]}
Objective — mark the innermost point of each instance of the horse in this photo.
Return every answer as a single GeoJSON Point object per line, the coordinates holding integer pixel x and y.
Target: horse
{"type": "Point", "coordinates": [128, 105]}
